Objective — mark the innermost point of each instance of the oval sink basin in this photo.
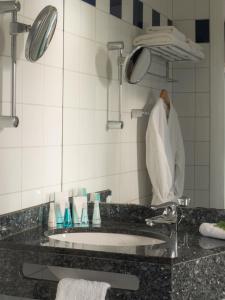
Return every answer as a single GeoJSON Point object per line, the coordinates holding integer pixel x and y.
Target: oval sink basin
{"type": "Point", "coordinates": [105, 239]}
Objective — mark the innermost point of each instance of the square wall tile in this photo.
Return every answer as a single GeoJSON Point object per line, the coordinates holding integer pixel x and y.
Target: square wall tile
{"type": "Point", "coordinates": [184, 104]}
{"type": "Point", "coordinates": [187, 128]}
{"type": "Point", "coordinates": [202, 9]}
{"type": "Point", "coordinates": [10, 203]}
{"type": "Point", "coordinates": [202, 104]}
{"type": "Point", "coordinates": [155, 18]}
{"type": "Point", "coordinates": [70, 164]}
{"type": "Point", "coordinates": [202, 129]}
{"type": "Point", "coordinates": [127, 11]}
{"type": "Point", "coordinates": [52, 166]}
{"type": "Point", "coordinates": [52, 126]}
{"type": "Point", "coordinates": [189, 178]}
{"type": "Point", "coordinates": [189, 153]}
{"type": "Point", "coordinates": [202, 177]}
{"type": "Point", "coordinates": [183, 9]}
{"type": "Point", "coordinates": [103, 5]}
{"type": "Point", "coordinates": [202, 31]}
{"type": "Point", "coordinates": [102, 27]}
{"type": "Point", "coordinates": [202, 80]}
{"type": "Point", "coordinates": [32, 168]}
{"type": "Point", "coordinates": [202, 199]}
{"type": "Point", "coordinates": [116, 8]}
{"type": "Point", "coordinates": [138, 13]}
{"type": "Point", "coordinates": [147, 16]}
{"type": "Point", "coordinates": [185, 80]}
{"type": "Point", "coordinates": [71, 89]}
{"type": "Point", "coordinates": [32, 126]}
{"type": "Point", "coordinates": [187, 27]}
{"type": "Point", "coordinates": [91, 2]}
{"type": "Point", "coordinates": [72, 16]}
{"type": "Point", "coordinates": [53, 88]}
{"type": "Point", "coordinates": [10, 171]}
{"type": "Point", "coordinates": [202, 153]}
{"type": "Point", "coordinates": [87, 21]}
{"type": "Point", "coordinates": [31, 198]}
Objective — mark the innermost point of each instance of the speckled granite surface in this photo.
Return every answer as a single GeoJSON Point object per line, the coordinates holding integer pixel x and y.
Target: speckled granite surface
{"type": "Point", "coordinates": [196, 273]}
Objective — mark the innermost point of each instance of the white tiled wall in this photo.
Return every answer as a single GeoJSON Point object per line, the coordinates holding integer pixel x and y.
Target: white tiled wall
{"type": "Point", "coordinates": [30, 156]}
{"type": "Point", "coordinates": [94, 157]}
{"type": "Point", "coordinates": [191, 96]}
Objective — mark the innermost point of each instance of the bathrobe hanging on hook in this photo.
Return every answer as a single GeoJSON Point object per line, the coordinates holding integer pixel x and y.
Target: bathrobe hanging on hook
{"type": "Point", "coordinates": [165, 156]}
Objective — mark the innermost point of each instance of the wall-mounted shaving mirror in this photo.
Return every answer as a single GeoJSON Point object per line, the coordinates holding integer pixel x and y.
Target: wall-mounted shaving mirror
{"type": "Point", "coordinates": [137, 64]}
{"type": "Point", "coordinates": [41, 33]}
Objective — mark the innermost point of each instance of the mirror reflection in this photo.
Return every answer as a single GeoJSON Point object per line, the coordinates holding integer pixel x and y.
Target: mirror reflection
{"type": "Point", "coordinates": [41, 33]}
{"type": "Point", "coordinates": [138, 64]}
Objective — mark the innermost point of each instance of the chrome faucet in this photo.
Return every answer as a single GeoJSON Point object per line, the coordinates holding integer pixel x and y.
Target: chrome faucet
{"type": "Point", "coordinates": [169, 215]}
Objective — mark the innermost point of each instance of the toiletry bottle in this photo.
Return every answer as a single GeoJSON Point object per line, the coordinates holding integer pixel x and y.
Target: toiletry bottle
{"type": "Point", "coordinates": [77, 208]}
{"type": "Point", "coordinates": [67, 216]}
{"type": "Point", "coordinates": [96, 219]}
{"type": "Point", "coordinates": [52, 216]}
{"type": "Point", "coordinates": [60, 200]}
{"type": "Point", "coordinates": [84, 218]}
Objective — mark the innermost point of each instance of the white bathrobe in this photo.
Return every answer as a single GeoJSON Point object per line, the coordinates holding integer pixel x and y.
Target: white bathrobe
{"type": "Point", "coordinates": [165, 156]}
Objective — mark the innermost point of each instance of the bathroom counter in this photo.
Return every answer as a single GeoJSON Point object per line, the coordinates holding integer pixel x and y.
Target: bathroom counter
{"type": "Point", "coordinates": [197, 271]}
{"type": "Point", "coordinates": [186, 246]}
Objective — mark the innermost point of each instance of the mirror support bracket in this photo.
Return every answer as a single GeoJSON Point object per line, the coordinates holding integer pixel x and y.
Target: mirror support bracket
{"type": "Point", "coordinates": [117, 46]}
{"type": "Point", "coordinates": [16, 27]}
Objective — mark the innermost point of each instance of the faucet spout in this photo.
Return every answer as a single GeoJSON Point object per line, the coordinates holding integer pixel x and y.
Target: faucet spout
{"type": "Point", "coordinates": [169, 215]}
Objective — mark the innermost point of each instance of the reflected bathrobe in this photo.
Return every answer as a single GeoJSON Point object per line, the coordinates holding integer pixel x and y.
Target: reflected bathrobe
{"type": "Point", "coordinates": [165, 157]}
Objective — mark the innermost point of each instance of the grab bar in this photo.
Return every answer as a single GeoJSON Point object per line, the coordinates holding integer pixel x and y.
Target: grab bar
{"type": "Point", "coordinates": [119, 46]}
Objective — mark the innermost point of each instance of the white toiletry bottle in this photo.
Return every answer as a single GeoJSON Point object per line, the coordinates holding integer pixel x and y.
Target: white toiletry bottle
{"type": "Point", "coordinates": [96, 219]}
{"type": "Point", "coordinates": [77, 208]}
{"type": "Point", "coordinates": [51, 216]}
{"type": "Point", "coordinates": [84, 218]}
{"type": "Point", "coordinates": [60, 202]}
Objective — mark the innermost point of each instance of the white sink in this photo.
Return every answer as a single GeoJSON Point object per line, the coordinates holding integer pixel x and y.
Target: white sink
{"type": "Point", "coordinates": [104, 239]}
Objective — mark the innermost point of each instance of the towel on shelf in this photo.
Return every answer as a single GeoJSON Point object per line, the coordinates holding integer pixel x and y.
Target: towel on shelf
{"type": "Point", "coordinates": [211, 230]}
{"type": "Point", "coordinates": [194, 45]}
{"type": "Point", "coordinates": [148, 39]}
{"type": "Point", "coordinates": [79, 289]}
{"type": "Point", "coordinates": [167, 29]}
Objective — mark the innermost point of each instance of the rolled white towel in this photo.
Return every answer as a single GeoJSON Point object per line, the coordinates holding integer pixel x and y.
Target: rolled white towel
{"type": "Point", "coordinates": [209, 243]}
{"type": "Point", "coordinates": [79, 289]}
{"type": "Point", "coordinates": [211, 230]}
{"type": "Point", "coordinates": [194, 45]}
{"type": "Point", "coordinates": [167, 29]}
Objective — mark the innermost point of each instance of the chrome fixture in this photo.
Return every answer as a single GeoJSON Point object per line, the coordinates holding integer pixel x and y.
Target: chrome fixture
{"type": "Point", "coordinates": [184, 201]}
{"type": "Point", "coordinates": [39, 38]}
{"type": "Point", "coordinates": [117, 46]}
{"type": "Point", "coordinates": [41, 33]}
{"type": "Point", "coordinates": [169, 215]}
{"type": "Point", "coordinates": [138, 64]}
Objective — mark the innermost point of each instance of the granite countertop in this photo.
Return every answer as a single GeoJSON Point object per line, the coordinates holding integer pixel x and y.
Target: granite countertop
{"type": "Point", "coordinates": [186, 245]}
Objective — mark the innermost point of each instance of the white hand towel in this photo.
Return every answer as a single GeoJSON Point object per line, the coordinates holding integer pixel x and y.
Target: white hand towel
{"type": "Point", "coordinates": [167, 29]}
{"type": "Point", "coordinates": [79, 289]}
{"type": "Point", "coordinates": [210, 230]}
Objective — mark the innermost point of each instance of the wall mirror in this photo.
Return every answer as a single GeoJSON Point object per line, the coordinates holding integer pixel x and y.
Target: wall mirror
{"type": "Point", "coordinates": [137, 64]}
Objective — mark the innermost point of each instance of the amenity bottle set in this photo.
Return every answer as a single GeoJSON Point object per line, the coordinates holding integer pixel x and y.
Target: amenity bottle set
{"type": "Point", "coordinates": [64, 213]}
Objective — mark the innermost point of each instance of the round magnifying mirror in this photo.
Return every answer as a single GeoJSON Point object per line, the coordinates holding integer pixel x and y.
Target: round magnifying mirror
{"type": "Point", "coordinates": [41, 33]}
{"type": "Point", "coordinates": [138, 63]}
